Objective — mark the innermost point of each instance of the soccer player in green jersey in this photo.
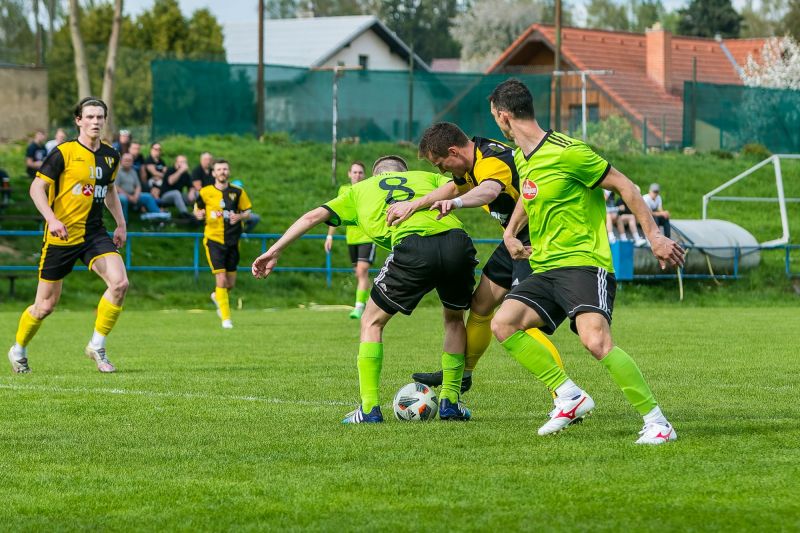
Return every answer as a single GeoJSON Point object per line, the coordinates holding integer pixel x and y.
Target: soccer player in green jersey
{"type": "Point", "coordinates": [426, 253]}
{"type": "Point", "coordinates": [562, 202]}
{"type": "Point", "coordinates": [484, 175]}
{"type": "Point", "coordinates": [361, 248]}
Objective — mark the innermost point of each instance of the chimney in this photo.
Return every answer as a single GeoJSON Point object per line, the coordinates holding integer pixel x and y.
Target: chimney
{"type": "Point", "coordinates": [659, 56]}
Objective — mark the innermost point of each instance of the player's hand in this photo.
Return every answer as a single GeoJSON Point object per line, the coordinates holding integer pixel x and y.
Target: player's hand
{"type": "Point", "coordinates": [235, 217]}
{"type": "Point", "coordinates": [445, 207]}
{"type": "Point", "coordinates": [667, 251]}
{"type": "Point", "coordinates": [328, 244]}
{"type": "Point", "coordinates": [120, 236]}
{"type": "Point", "coordinates": [399, 212]}
{"type": "Point", "coordinates": [264, 263]}
{"type": "Point", "coordinates": [200, 214]}
{"type": "Point", "coordinates": [57, 229]}
{"type": "Point", "coordinates": [516, 249]}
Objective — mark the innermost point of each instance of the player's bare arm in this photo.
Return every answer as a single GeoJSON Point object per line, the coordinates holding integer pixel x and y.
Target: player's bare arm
{"type": "Point", "coordinates": [329, 240]}
{"type": "Point", "coordinates": [483, 194]}
{"type": "Point", "coordinates": [38, 191]}
{"type": "Point", "coordinates": [400, 211]}
{"type": "Point", "coordinates": [238, 217]}
{"type": "Point", "coordinates": [265, 263]}
{"type": "Point", "coordinates": [115, 208]}
{"type": "Point", "coordinates": [667, 251]}
{"type": "Point", "coordinates": [516, 249]}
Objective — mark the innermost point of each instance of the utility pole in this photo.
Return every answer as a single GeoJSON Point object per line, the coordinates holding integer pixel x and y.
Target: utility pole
{"type": "Point", "coordinates": [582, 73]}
{"type": "Point", "coordinates": [260, 73]}
{"type": "Point", "coordinates": [557, 67]}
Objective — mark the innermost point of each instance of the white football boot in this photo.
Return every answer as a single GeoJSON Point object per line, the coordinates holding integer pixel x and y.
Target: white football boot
{"type": "Point", "coordinates": [657, 433]}
{"type": "Point", "coordinates": [98, 355]}
{"type": "Point", "coordinates": [567, 411]}
{"type": "Point", "coordinates": [214, 299]}
{"type": "Point", "coordinates": [227, 324]}
{"type": "Point", "coordinates": [18, 357]}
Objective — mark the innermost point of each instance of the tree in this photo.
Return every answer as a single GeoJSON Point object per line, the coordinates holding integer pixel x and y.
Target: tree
{"type": "Point", "coordinates": [762, 19]}
{"type": "Point", "coordinates": [791, 21]}
{"type": "Point", "coordinates": [646, 13]}
{"type": "Point", "coordinates": [17, 41]}
{"type": "Point", "coordinates": [777, 68]}
{"type": "Point", "coordinates": [607, 15]}
{"type": "Point", "coordinates": [111, 64]}
{"type": "Point", "coordinates": [81, 66]}
{"type": "Point", "coordinates": [422, 24]}
{"type": "Point", "coordinates": [486, 28]}
{"type": "Point", "coordinates": [707, 18]}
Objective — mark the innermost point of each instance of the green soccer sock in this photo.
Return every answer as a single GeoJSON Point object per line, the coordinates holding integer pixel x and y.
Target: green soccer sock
{"type": "Point", "coordinates": [629, 379]}
{"type": "Point", "coordinates": [452, 372]}
{"type": "Point", "coordinates": [370, 361]}
{"type": "Point", "coordinates": [536, 357]}
{"type": "Point", "coordinates": [362, 295]}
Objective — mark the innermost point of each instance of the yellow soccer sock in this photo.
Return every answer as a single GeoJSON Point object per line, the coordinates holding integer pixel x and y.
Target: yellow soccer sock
{"type": "Point", "coordinates": [542, 338]}
{"type": "Point", "coordinates": [479, 335]}
{"type": "Point", "coordinates": [223, 303]}
{"type": "Point", "coordinates": [107, 315]}
{"type": "Point", "coordinates": [28, 326]}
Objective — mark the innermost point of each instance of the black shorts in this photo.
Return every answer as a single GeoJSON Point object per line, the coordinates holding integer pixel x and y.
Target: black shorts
{"type": "Point", "coordinates": [364, 253]}
{"type": "Point", "coordinates": [507, 272]}
{"type": "Point", "coordinates": [445, 262]}
{"type": "Point", "coordinates": [58, 261]}
{"type": "Point", "coordinates": [567, 292]}
{"type": "Point", "coordinates": [221, 257]}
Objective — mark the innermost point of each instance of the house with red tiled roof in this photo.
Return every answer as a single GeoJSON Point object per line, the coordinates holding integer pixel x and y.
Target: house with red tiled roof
{"type": "Point", "coordinates": [647, 73]}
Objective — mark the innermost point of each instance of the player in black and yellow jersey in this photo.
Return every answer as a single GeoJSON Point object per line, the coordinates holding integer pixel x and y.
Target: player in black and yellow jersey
{"type": "Point", "coordinates": [223, 207]}
{"type": "Point", "coordinates": [484, 175]}
{"type": "Point", "coordinates": [70, 190]}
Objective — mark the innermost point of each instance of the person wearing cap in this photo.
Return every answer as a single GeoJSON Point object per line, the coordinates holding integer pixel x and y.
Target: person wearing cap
{"type": "Point", "coordinates": [656, 205]}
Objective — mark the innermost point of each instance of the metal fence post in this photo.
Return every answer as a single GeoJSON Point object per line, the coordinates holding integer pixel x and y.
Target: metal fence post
{"type": "Point", "coordinates": [328, 271]}
{"type": "Point", "coordinates": [128, 252]}
{"type": "Point", "coordinates": [644, 135]}
{"type": "Point", "coordinates": [196, 258]}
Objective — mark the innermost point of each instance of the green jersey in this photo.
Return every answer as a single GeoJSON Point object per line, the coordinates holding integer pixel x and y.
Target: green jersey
{"type": "Point", "coordinates": [353, 234]}
{"type": "Point", "coordinates": [365, 204]}
{"type": "Point", "coordinates": [565, 207]}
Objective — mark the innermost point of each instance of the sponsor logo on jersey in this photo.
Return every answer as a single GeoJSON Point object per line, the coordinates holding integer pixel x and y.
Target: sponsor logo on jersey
{"type": "Point", "coordinates": [529, 189]}
{"type": "Point", "coordinates": [87, 189]}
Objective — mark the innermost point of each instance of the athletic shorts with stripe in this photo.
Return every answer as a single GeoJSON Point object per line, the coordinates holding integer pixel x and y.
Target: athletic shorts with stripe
{"type": "Point", "coordinates": [507, 272]}
{"type": "Point", "coordinates": [362, 253]}
{"type": "Point", "coordinates": [221, 257]}
{"type": "Point", "coordinates": [567, 292]}
{"type": "Point", "coordinates": [58, 261]}
{"type": "Point", "coordinates": [445, 262]}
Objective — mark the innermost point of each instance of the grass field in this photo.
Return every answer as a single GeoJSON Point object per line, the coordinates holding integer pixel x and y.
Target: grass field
{"type": "Point", "coordinates": [240, 430]}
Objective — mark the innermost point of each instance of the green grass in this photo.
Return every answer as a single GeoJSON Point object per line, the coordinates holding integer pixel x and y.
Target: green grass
{"type": "Point", "coordinates": [239, 430]}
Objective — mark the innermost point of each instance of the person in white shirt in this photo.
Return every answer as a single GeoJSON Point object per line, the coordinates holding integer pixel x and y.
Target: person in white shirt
{"type": "Point", "coordinates": [60, 137]}
{"type": "Point", "coordinates": [656, 205]}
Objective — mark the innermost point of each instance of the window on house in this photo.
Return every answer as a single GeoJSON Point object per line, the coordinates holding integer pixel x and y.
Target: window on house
{"type": "Point", "coordinates": [363, 61]}
{"type": "Point", "coordinates": [592, 115]}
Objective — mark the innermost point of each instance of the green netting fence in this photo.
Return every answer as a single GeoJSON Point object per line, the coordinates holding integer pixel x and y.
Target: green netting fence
{"type": "Point", "coordinates": [726, 117]}
{"type": "Point", "coordinates": [199, 98]}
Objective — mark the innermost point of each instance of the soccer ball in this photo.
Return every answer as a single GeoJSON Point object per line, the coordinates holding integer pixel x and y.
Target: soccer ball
{"type": "Point", "coordinates": [415, 401]}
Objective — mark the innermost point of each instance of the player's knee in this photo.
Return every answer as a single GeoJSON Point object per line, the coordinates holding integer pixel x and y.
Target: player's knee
{"type": "Point", "coordinates": [44, 308]}
{"type": "Point", "coordinates": [119, 287]}
{"type": "Point", "coordinates": [597, 343]}
{"type": "Point", "coordinates": [501, 328]}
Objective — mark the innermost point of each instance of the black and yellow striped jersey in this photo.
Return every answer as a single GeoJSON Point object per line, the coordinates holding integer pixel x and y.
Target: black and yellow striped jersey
{"type": "Point", "coordinates": [493, 161]}
{"type": "Point", "coordinates": [79, 180]}
{"type": "Point", "coordinates": [218, 206]}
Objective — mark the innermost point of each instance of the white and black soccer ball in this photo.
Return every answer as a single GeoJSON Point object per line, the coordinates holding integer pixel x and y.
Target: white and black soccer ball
{"type": "Point", "coordinates": [415, 401]}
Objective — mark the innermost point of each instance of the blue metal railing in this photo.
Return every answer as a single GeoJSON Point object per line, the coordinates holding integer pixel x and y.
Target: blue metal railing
{"type": "Point", "coordinates": [329, 269]}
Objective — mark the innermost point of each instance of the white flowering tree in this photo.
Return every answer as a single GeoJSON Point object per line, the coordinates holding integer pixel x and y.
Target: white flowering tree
{"type": "Point", "coordinates": [777, 68]}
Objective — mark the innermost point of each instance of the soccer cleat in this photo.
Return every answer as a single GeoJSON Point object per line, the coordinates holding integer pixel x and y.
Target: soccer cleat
{"type": "Point", "coordinates": [356, 313]}
{"type": "Point", "coordinates": [566, 412]}
{"type": "Point", "coordinates": [19, 361]}
{"type": "Point", "coordinates": [227, 324]}
{"type": "Point", "coordinates": [639, 242]}
{"type": "Point", "coordinates": [99, 357]}
{"type": "Point", "coordinates": [453, 411]}
{"type": "Point", "coordinates": [214, 299]}
{"type": "Point", "coordinates": [655, 433]}
{"type": "Point", "coordinates": [434, 379]}
{"type": "Point", "coordinates": [554, 411]}
{"type": "Point", "coordinates": [360, 417]}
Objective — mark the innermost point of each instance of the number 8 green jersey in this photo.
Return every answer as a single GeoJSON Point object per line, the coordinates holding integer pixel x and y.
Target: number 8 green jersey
{"type": "Point", "coordinates": [365, 204]}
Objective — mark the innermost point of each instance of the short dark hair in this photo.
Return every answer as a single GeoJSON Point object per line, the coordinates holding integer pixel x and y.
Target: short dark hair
{"type": "Point", "coordinates": [359, 163]}
{"type": "Point", "coordinates": [438, 138]}
{"type": "Point", "coordinates": [220, 162]}
{"type": "Point", "coordinates": [90, 101]}
{"type": "Point", "coordinates": [513, 96]}
{"type": "Point", "coordinates": [389, 163]}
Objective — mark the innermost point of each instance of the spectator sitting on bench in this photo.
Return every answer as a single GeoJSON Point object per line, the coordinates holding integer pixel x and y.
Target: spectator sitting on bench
{"type": "Point", "coordinates": [656, 205]}
{"type": "Point", "coordinates": [201, 175]}
{"type": "Point", "coordinates": [123, 142]}
{"type": "Point", "coordinates": [154, 169]}
{"type": "Point", "coordinates": [135, 149]}
{"type": "Point", "coordinates": [624, 218]}
{"type": "Point", "coordinates": [130, 190]}
{"type": "Point", "coordinates": [252, 221]}
{"type": "Point", "coordinates": [171, 190]}
{"type": "Point", "coordinates": [35, 154]}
